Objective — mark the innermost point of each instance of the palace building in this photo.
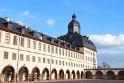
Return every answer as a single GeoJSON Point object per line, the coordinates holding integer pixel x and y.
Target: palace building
{"type": "Point", "coordinates": [29, 55]}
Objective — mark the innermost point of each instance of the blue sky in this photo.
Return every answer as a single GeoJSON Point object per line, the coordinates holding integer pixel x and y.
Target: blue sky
{"type": "Point", "coordinates": [101, 20]}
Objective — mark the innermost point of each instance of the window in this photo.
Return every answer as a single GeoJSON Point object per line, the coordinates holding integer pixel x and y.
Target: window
{"type": "Point", "coordinates": [52, 49]}
{"type": "Point", "coordinates": [39, 46]}
{"type": "Point", "coordinates": [44, 60]}
{"type": "Point", "coordinates": [52, 61]}
{"type": "Point", "coordinates": [48, 61]}
{"type": "Point", "coordinates": [44, 47]}
{"type": "Point", "coordinates": [59, 51]}
{"type": "Point", "coordinates": [59, 62]}
{"type": "Point", "coordinates": [22, 41]}
{"type": "Point", "coordinates": [56, 62]}
{"type": "Point", "coordinates": [7, 38]}
{"type": "Point", "coordinates": [39, 59]}
{"type": "Point", "coordinates": [28, 58]}
{"type": "Point", "coordinates": [56, 50]}
{"type": "Point", "coordinates": [28, 43]}
{"type": "Point", "coordinates": [13, 56]}
{"type": "Point", "coordinates": [63, 52]}
{"type": "Point", "coordinates": [0, 35]}
{"type": "Point", "coordinates": [33, 58]}
{"type": "Point", "coordinates": [34, 44]}
{"type": "Point", "coordinates": [63, 63]}
{"type": "Point", "coordinates": [21, 57]}
{"type": "Point", "coordinates": [69, 53]}
{"type": "Point", "coordinates": [5, 55]}
{"type": "Point", "coordinates": [15, 40]}
{"type": "Point", "coordinates": [48, 48]}
{"type": "Point", "coordinates": [66, 53]}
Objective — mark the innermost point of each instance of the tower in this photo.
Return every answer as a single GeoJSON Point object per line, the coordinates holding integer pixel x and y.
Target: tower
{"type": "Point", "coordinates": [74, 26]}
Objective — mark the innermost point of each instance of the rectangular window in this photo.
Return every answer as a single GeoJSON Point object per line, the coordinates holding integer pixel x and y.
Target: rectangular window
{"type": "Point", "coordinates": [15, 40]}
{"type": "Point", "coordinates": [39, 59]}
{"type": "Point", "coordinates": [7, 38]}
{"type": "Point", "coordinates": [52, 61]}
{"type": "Point", "coordinates": [59, 51]}
{"type": "Point", "coordinates": [48, 48]}
{"type": "Point", "coordinates": [28, 58]}
{"type": "Point", "coordinates": [56, 50]}
{"type": "Point", "coordinates": [48, 61]}
{"type": "Point", "coordinates": [44, 60]}
{"type": "Point", "coordinates": [52, 49]}
{"type": "Point", "coordinates": [0, 35]}
{"type": "Point", "coordinates": [5, 55]}
{"type": "Point", "coordinates": [33, 58]}
{"type": "Point", "coordinates": [28, 43]}
{"type": "Point", "coordinates": [13, 56]}
{"type": "Point", "coordinates": [63, 52]}
{"type": "Point", "coordinates": [44, 47]}
{"type": "Point", "coordinates": [22, 41]}
{"type": "Point", "coordinates": [39, 46]}
{"type": "Point", "coordinates": [34, 44]}
{"type": "Point", "coordinates": [59, 62]}
{"type": "Point", "coordinates": [56, 62]}
{"type": "Point", "coordinates": [63, 63]}
{"type": "Point", "coordinates": [21, 57]}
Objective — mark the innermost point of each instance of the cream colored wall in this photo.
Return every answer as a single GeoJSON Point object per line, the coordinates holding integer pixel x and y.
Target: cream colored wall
{"type": "Point", "coordinates": [35, 52]}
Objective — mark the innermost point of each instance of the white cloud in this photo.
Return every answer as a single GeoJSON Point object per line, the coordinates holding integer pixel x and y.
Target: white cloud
{"type": "Point", "coordinates": [25, 13]}
{"type": "Point", "coordinates": [50, 22]}
{"type": "Point", "coordinates": [108, 41]}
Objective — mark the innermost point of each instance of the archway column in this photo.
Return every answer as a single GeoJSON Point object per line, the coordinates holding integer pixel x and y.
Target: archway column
{"type": "Point", "coordinates": [104, 77]}
{"type": "Point", "coordinates": [94, 76]}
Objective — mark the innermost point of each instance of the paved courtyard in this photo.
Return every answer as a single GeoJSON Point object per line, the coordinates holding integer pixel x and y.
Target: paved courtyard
{"type": "Point", "coordinates": [72, 81]}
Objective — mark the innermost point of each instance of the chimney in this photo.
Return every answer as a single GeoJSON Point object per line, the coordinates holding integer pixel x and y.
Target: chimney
{"type": "Point", "coordinates": [8, 24]}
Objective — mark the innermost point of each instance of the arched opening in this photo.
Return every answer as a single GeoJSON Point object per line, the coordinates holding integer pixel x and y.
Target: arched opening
{"type": "Point", "coordinates": [110, 75]}
{"type": "Point", "coordinates": [45, 74]}
{"type": "Point", "coordinates": [99, 75]}
{"type": "Point", "coordinates": [82, 75]}
{"type": "Point", "coordinates": [8, 73]}
{"type": "Point", "coordinates": [54, 74]}
{"type": "Point", "coordinates": [73, 74]}
{"type": "Point", "coordinates": [88, 75]}
{"type": "Point", "coordinates": [121, 75]}
{"type": "Point", "coordinates": [23, 74]}
{"type": "Point", "coordinates": [67, 74]}
{"type": "Point", "coordinates": [35, 74]}
{"type": "Point", "coordinates": [61, 74]}
{"type": "Point", "coordinates": [78, 75]}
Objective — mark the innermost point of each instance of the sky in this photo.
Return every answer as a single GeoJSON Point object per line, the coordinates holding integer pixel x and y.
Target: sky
{"type": "Point", "coordinates": [101, 20]}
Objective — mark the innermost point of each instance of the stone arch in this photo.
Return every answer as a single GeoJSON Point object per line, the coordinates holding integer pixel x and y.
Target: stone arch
{"type": "Point", "coordinates": [121, 75]}
{"type": "Point", "coordinates": [45, 74]}
{"type": "Point", "coordinates": [61, 74]}
{"type": "Point", "coordinates": [67, 74]}
{"type": "Point", "coordinates": [8, 73]}
{"type": "Point", "coordinates": [110, 75]}
{"type": "Point", "coordinates": [78, 75]}
{"type": "Point", "coordinates": [89, 75]}
{"type": "Point", "coordinates": [82, 74]}
{"type": "Point", "coordinates": [54, 74]}
{"type": "Point", "coordinates": [35, 74]}
{"type": "Point", "coordinates": [73, 74]}
{"type": "Point", "coordinates": [99, 75]}
{"type": "Point", "coordinates": [23, 74]}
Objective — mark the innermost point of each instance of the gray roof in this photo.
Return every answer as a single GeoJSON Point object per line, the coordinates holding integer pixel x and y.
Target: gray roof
{"type": "Point", "coordinates": [29, 32]}
{"type": "Point", "coordinates": [78, 40]}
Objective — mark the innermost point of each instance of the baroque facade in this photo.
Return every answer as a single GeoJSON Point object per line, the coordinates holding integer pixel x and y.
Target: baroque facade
{"type": "Point", "coordinates": [29, 55]}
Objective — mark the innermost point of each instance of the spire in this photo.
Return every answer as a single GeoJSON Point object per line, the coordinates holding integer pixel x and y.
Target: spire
{"type": "Point", "coordinates": [74, 16]}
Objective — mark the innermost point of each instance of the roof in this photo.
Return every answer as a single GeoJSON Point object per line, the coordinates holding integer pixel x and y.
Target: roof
{"type": "Point", "coordinates": [29, 32]}
{"type": "Point", "coordinates": [78, 40]}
